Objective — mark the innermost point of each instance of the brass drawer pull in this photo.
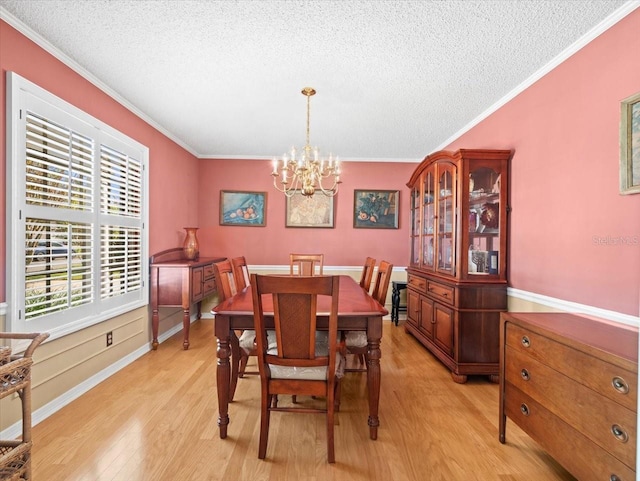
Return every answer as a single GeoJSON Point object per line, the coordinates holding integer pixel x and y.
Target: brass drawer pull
{"type": "Point", "coordinates": [619, 433]}
{"type": "Point", "coordinates": [615, 477]}
{"type": "Point", "coordinates": [620, 385]}
{"type": "Point", "coordinates": [524, 409]}
{"type": "Point", "coordinates": [525, 341]}
{"type": "Point", "coordinates": [525, 375]}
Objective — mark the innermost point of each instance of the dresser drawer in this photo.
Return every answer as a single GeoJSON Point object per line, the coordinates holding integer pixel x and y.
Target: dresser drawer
{"type": "Point", "coordinates": [442, 292]}
{"type": "Point", "coordinates": [209, 271]}
{"type": "Point", "coordinates": [417, 283]}
{"type": "Point", "coordinates": [613, 382]}
{"type": "Point", "coordinates": [597, 417]}
{"type": "Point", "coordinates": [583, 458]}
{"type": "Point", "coordinates": [209, 287]}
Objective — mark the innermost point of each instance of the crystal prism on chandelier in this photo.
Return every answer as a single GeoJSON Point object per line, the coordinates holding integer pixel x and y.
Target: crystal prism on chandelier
{"type": "Point", "coordinates": [304, 170]}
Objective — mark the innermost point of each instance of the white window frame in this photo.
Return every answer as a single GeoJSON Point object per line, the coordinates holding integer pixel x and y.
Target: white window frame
{"type": "Point", "coordinates": [22, 96]}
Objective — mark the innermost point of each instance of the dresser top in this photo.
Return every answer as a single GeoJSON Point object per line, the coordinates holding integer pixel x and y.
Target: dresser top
{"type": "Point", "coordinates": [581, 332]}
{"type": "Point", "coordinates": [175, 258]}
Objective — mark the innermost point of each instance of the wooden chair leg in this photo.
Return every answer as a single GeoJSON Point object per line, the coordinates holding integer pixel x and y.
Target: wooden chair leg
{"type": "Point", "coordinates": [330, 427]}
{"type": "Point", "coordinates": [244, 358]}
{"type": "Point", "coordinates": [235, 363]}
{"type": "Point", "coordinates": [264, 425]}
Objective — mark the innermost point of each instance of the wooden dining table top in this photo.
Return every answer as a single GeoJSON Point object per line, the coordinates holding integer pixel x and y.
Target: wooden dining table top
{"type": "Point", "coordinates": [353, 301]}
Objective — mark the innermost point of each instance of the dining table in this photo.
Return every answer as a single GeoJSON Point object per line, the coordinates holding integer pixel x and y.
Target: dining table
{"type": "Point", "coordinates": [357, 311]}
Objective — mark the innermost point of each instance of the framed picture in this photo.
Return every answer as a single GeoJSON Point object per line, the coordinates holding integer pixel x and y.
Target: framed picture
{"type": "Point", "coordinates": [243, 208]}
{"type": "Point", "coordinates": [630, 145]}
{"type": "Point", "coordinates": [314, 211]}
{"type": "Point", "coordinates": [375, 209]}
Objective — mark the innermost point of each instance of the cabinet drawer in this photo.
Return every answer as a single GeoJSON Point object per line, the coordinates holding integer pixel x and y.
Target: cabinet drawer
{"type": "Point", "coordinates": [208, 287]}
{"type": "Point", "coordinates": [583, 458]}
{"type": "Point", "coordinates": [444, 293]}
{"type": "Point", "coordinates": [209, 272]}
{"type": "Point", "coordinates": [613, 382]}
{"type": "Point", "coordinates": [417, 283]}
{"type": "Point", "coordinates": [586, 410]}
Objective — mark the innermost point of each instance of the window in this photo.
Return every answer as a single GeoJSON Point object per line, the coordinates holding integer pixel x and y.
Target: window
{"type": "Point", "coordinates": [77, 210]}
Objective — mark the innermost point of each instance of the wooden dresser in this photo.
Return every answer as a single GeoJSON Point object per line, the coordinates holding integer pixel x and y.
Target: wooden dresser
{"type": "Point", "coordinates": [570, 382]}
{"type": "Point", "coordinates": [176, 281]}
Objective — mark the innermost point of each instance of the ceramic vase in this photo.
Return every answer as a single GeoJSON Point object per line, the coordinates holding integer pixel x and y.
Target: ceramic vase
{"type": "Point", "coordinates": [191, 247]}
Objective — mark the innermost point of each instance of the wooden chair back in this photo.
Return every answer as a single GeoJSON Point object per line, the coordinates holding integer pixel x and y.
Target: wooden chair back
{"type": "Point", "coordinates": [240, 272]}
{"type": "Point", "coordinates": [247, 339]}
{"type": "Point", "coordinates": [367, 273]}
{"type": "Point", "coordinates": [225, 281]}
{"type": "Point", "coordinates": [306, 264]}
{"type": "Point", "coordinates": [381, 286]}
{"type": "Point", "coordinates": [293, 344]}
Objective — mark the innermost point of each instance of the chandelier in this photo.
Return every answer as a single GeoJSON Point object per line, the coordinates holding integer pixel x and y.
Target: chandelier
{"type": "Point", "coordinates": [304, 170]}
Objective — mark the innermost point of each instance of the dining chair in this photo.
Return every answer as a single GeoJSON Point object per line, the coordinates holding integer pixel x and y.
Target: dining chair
{"type": "Point", "coordinates": [306, 264]}
{"type": "Point", "coordinates": [356, 341]}
{"type": "Point", "coordinates": [240, 272]}
{"type": "Point", "coordinates": [381, 285]}
{"type": "Point", "coordinates": [367, 273]}
{"type": "Point", "coordinates": [248, 336]}
{"type": "Point", "coordinates": [225, 280]}
{"type": "Point", "coordinates": [294, 358]}
{"type": "Point", "coordinates": [226, 287]}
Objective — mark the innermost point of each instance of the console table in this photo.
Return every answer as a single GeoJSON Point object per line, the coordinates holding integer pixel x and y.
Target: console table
{"type": "Point", "coordinates": [396, 287]}
{"type": "Point", "coordinates": [179, 282]}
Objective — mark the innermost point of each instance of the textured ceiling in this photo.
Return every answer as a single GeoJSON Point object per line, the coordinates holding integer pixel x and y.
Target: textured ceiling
{"type": "Point", "coordinates": [395, 79]}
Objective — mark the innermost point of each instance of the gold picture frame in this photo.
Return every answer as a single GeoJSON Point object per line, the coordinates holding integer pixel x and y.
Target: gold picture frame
{"type": "Point", "coordinates": [314, 211]}
{"type": "Point", "coordinates": [630, 145]}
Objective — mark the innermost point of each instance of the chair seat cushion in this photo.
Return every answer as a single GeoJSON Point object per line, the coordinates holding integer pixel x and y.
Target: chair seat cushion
{"type": "Point", "coordinates": [355, 339]}
{"type": "Point", "coordinates": [310, 373]}
{"type": "Point", "coordinates": [247, 339]}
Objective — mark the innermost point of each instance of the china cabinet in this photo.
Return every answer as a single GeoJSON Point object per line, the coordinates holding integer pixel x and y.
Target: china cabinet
{"type": "Point", "coordinates": [457, 274]}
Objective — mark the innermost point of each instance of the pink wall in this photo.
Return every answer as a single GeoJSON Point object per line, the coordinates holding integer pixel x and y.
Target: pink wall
{"type": "Point", "coordinates": [173, 190]}
{"type": "Point", "coordinates": [573, 236]}
{"type": "Point", "coordinates": [271, 245]}
{"type": "Point", "coordinates": [566, 215]}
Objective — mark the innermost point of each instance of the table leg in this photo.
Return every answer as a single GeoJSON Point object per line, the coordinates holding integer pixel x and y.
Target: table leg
{"type": "Point", "coordinates": [186, 324]}
{"type": "Point", "coordinates": [222, 379]}
{"type": "Point", "coordinates": [373, 385]}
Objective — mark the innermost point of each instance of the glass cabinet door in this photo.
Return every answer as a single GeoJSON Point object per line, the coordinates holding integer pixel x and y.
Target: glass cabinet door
{"type": "Point", "coordinates": [428, 221]}
{"type": "Point", "coordinates": [415, 225]}
{"type": "Point", "coordinates": [445, 241]}
{"type": "Point", "coordinates": [484, 222]}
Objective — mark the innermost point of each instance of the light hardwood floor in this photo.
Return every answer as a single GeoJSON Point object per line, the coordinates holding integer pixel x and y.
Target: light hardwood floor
{"type": "Point", "coordinates": [156, 420]}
